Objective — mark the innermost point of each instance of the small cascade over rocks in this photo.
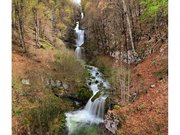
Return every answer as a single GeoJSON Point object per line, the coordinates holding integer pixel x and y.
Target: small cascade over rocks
{"type": "Point", "coordinates": [93, 112]}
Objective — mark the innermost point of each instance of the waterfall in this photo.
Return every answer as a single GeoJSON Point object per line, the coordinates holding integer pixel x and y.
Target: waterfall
{"type": "Point", "coordinates": [96, 108]}
{"type": "Point", "coordinates": [78, 52]}
{"type": "Point", "coordinates": [79, 41]}
{"type": "Point", "coordinates": [93, 112]}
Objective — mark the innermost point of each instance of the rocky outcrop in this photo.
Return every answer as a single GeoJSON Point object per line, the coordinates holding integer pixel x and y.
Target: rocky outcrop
{"type": "Point", "coordinates": [126, 57]}
{"type": "Point", "coordinates": [58, 87]}
{"type": "Point", "coordinates": [111, 122]}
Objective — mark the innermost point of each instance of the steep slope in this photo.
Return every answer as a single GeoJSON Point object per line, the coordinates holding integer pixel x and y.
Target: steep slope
{"type": "Point", "coordinates": [139, 81]}
{"type": "Point", "coordinates": [44, 70]}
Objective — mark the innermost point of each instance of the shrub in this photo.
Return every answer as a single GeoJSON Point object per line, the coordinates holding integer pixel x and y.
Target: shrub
{"type": "Point", "coordinates": [68, 68]}
{"type": "Point", "coordinates": [104, 64]}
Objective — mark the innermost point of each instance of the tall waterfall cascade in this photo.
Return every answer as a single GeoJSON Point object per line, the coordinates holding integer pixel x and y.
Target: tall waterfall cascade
{"type": "Point", "coordinates": [93, 112]}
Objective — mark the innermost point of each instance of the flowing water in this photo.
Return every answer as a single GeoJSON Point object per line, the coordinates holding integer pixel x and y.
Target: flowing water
{"type": "Point", "coordinates": [85, 121]}
{"type": "Point", "coordinates": [79, 41]}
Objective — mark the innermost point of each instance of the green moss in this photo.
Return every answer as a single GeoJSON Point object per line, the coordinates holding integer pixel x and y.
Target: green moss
{"type": "Point", "coordinates": [16, 84]}
{"type": "Point", "coordinates": [116, 107]}
{"type": "Point", "coordinates": [46, 45]}
{"type": "Point", "coordinates": [96, 96]}
{"type": "Point", "coordinates": [84, 93]}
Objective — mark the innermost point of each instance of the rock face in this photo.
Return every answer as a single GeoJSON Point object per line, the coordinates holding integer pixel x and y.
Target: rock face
{"type": "Point", "coordinates": [58, 87]}
{"type": "Point", "coordinates": [111, 122]}
{"type": "Point", "coordinates": [127, 57]}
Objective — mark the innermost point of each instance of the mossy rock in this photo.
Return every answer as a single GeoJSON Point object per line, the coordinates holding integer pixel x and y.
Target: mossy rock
{"type": "Point", "coordinates": [89, 83]}
{"type": "Point", "coordinates": [100, 86]}
{"type": "Point", "coordinates": [93, 77]}
{"type": "Point", "coordinates": [59, 91]}
{"type": "Point", "coordinates": [84, 94]}
{"type": "Point", "coordinates": [96, 96]}
{"type": "Point", "coordinates": [116, 107]}
{"type": "Point", "coordinates": [90, 68]}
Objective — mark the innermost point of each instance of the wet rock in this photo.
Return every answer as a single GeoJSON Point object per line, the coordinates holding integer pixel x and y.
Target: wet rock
{"type": "Point", "coordinates": [97, 73]}
{"type": "Point", "coordinates": [96, 96]}
{"type": "Point", "coordinates": [89, 83]}
{"type": "Point", "coordinates": [96, 81]}
{"type": "Point", "coordinates": [111, 122]}
{"type": "Point", "coordinates": [25, 81]}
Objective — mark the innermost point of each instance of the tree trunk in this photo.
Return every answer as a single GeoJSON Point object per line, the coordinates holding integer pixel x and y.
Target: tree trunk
{"type": "Point", "coordinates": [36, 26]}
{"type": "Point", "coordinates": [53, 21]}
{"type": "Point", "coordinates": [129, 25]}
{"type": "Point", "coordinates": [20, 22]}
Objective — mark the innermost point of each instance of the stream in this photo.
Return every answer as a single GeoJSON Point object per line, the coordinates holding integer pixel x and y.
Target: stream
{"type": "Point", "coordinates": [85, 121]}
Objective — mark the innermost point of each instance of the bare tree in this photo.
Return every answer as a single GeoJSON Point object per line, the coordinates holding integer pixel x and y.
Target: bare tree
{"type": "Point", "coordinates": [19, 7]}
{"type": "Point", "coordinates": [36, 26]}
{"type": "Point", "coordinates": [129, 25]}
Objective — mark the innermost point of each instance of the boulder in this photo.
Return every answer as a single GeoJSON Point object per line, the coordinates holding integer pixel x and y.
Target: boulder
{"type": "Point", "coordinates": [25, 81]}
{"type": "Point", "coordinates": [65, 86]}
{"type": "Point", "coordinates": [58, 87]}
{"type": "Point", "coordinates": [96, 96]}
{"type": "Point", "coordinates": [84, 94]}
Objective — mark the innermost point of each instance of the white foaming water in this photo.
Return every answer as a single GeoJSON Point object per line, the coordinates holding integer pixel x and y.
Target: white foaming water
{"type": "Point", "coordinates": [78, 52]}
{"type": "Point", "coordinates": [79, 41]}
{"type": "Point", "coordinates": [80, 35]}
{"type": "Point", "coordinates": [93, 112]}
{"type": "Point", "coordinates": [77, 2]}
{"type": "Point", "coordinates": [82, 15]}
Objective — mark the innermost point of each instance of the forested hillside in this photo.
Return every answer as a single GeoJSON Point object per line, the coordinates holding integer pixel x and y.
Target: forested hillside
{"type": "Point", "coordinates": [127, 40]}
{"type": "Point", "coordinates": [42, 65]}
{"type": "Point", "coordinates": [90, 67]}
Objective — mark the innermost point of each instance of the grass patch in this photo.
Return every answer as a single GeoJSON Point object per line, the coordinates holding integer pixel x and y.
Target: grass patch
{"type": "Point", "coordinates": [45, 44]}
{"type": "Point", "coordinates": [103, 63]}
{"type": "Point", "coordinates": [69, 70]}
{"type": "Point", "coordinates": [161, 73]}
